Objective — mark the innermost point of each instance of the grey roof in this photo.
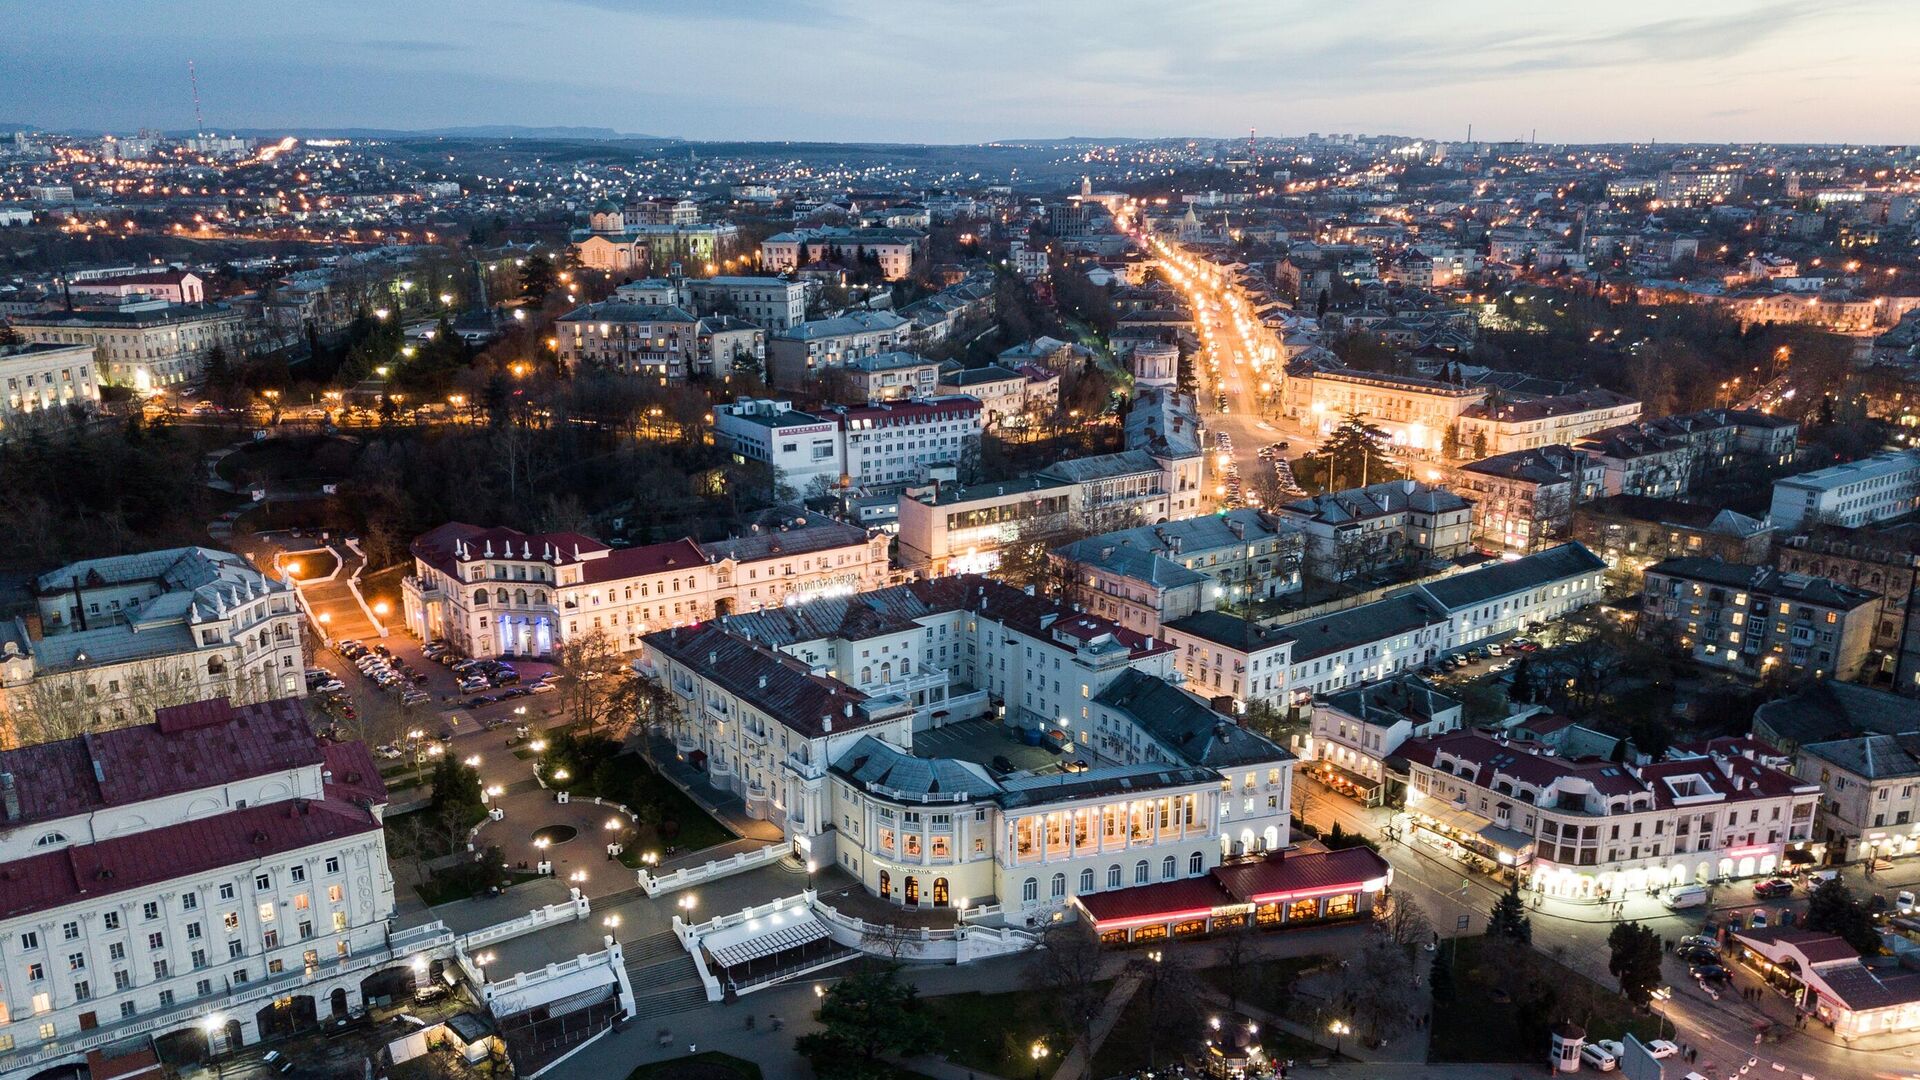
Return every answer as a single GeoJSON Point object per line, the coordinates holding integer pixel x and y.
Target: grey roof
{"type": "Point", "coordinates": [785, 531]}
{"type": "Point", "coordinates": [992, 373]}
{"type": "Point", "coordinates": [1540, 465]}
{"type": "Point", "coordinates": [1344, 630]}
{"type": "Point", "coordinates": [858, 322]}
{"type": "Point", "coordinates": [1875, 757]}
{"type": "Point", "coordinates": [1102, 466]}
{"type": "Point", "coordinates": [873, 764]}
{"type": "Point", "coordinates": [1766, 579]}
{"type": "Point", "coordinates": [891, 360]}
{"type": "Point", "coordinates": [1376, 500]}
{"type": "Point", "coordinates": [1506, 578]}
{"type": "Point", "coordinates": [1387, 702]}
{"type": "Point", "coordinates": [1825, 709]}
{"type": "Point", "coordinates": [1196, 536]}
{"type": "Point", "coordinates": [1126, 560]}
{"type": "Point", "coordinates": [1233, 631]}
{"type": "Point", "coordinates": [1034, 790]}
{"type": "Point", "coordinates": [992, 489]}
{"type": "Point", "coordinates": [612, 311]}
{"type": "Point", "coordinates": [1185, 725]}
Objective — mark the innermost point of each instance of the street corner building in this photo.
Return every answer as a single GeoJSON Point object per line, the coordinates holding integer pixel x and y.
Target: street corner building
{"type": "Point", "coordinates": [1281, 889]}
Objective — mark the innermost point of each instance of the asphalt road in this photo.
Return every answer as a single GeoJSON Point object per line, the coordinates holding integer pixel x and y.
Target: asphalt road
{"type": "Point", "coordinates": [1721, 1025]}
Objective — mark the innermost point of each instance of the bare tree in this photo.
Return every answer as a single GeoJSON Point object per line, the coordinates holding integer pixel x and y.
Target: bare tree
{"type": "Point", "coordinates": [1067, 969]}
{"type": "Point", "coordinates": [1240, 949]}
{"type": "Point", "coordinates": [599, 688]}
{"type": "Point", "coordinates": [1405, 923]}
{"type": "Point", "coordinates": [1377, 989]}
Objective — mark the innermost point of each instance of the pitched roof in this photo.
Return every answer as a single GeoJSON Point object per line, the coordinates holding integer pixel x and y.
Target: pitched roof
{"type": "Point", "coordinates": [1184, 725]}
{"type": "Point", "coordinates": [1499, 579]}
{"type": "Point", "coordinates": [187, 747]}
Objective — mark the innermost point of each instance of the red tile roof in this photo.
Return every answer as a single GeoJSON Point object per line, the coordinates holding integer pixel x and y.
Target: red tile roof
{"type": "Point", "coordinates": [644, 561]}
{"type": "Point", "coordinates": [1280, 876]}
{"type": "Point", "coordinates": [436, 547]}
{"type": "Point", "coordinates": [1196, 897]}
{"type": "Point", "coordinates": [143, 860]}
{"type": "Point", "coordinates": [204, 744]}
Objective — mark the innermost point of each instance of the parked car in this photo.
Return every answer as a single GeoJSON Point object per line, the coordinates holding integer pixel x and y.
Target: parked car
{"type": "Point", "coordinates": [1697, 954]}
{"type": "Point", "coordinates": [387, 750]}
{"type": "Point", "coordinates": [1075, 766]}
{"type": "Point", "coordinates": [1001, 764]}
{"type": "Point", "coordinates": [1710, 973]}
{"type": "Point", "coordinates": [1903, 900]}
{"type": "Point", "coordinates": [1595, 1057]}
{"type": "Point", "coordinates": [1772, 889]}
{"type": "Point", "coordinates": [1662, 1048]}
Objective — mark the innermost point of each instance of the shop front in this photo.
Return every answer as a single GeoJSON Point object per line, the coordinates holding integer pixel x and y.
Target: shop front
{"type": "Point", "coordinates": [1281, 891]}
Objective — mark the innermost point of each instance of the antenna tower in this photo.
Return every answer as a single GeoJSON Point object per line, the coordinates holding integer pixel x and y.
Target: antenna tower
{"type": "Point", "coordinates": [193, 79]}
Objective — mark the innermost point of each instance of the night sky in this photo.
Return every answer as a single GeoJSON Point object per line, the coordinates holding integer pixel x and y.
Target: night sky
{"type": "Point", "coordinates": [926, 71]}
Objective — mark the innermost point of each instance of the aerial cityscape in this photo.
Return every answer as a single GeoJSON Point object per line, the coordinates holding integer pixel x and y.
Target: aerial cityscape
{"type": "Point", "coordinates": [598, 539]}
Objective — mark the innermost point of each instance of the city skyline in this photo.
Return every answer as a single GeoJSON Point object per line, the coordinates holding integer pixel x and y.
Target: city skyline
{"type": "Point", "coordinates": [929, 72]}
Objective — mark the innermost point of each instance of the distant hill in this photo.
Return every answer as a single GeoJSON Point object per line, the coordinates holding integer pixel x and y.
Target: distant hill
{"type": "Point", "coordinates": [479, 131]}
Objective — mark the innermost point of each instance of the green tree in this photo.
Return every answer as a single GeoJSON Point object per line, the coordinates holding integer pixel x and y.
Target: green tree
{"type": "Point", "coordinates": [1450, 443]}
{"type": "Point", "coordinates": [1440, 980]}
{"type": "Point", "coordinates": [861, 1018]}
{"type": "Point", "coordinates": [1356, 455]}
{"type": "Point", "coordinates": [1635, 960]}
{"type": "Point", "coordinates": [1832, 908]}
{"type": "Point", "coordinates": [1650, 735]}
{"type": "Point", "coordinates": [1509, 916]}
{"type": "Point", "coordinates": [537, 278]}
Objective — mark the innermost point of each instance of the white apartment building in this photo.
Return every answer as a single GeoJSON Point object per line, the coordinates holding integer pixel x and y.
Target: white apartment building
{"type": "Point", "coordinates": [1527, 425]}
{"type": "Point", "coordinates": [1524, 499]}
{"type": "Point", "coordinates": [500, 592]}
{"type": "Point", "coordinates": [771, 302]}
{"type": "Point", "coordinates": [962, 530]}
{"type": "Point", "coordinates": [1588, 827]}
{"type": "Point", "coordinates": [883, 445]}
{"type": "Point", "coordinates": [796, 355]}
{"type": "Point", "coordinates": [1869, 792]}
{"type": "Point", "coordinates": [1855, 493]}
{"type": "Point", "coordinates": [173, 286]}
{"type": "Point", "coordinates": [891, 376]}
{"type": "Point", "coordinates": [638, 339]}
{"type": "Point", "coordinates": [1293, 662]}
{"type": "Point", "coordinates": [144, 344]}
{"type": "Point", "coordinates": [1354, 731]}
{"type": "Point", "coordinates": [1416, 413]}
{"type": "Point", "coordinates": [1150, 574]}
{"type": "Point", "coordinates": [1349, 532]}
{"type": "Point", "coordinates": [216, 875]}
{"type": "Point", "coordinates": [41, 378]}
{"type": "Point", "coordinates": [124, 635]}
{"type": "Point", "coordinates": [892, 250]}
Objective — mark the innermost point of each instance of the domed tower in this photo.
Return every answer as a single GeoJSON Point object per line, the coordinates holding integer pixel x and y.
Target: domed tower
{"type": "Point", "coordinates": [1156, 363]}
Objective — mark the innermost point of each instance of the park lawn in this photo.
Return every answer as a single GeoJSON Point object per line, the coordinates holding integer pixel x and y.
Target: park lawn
{"type": "Point", "coordinates": [1264, 985]}
{"type": "Point", "coordinates": [1479, 1026]}
{"type": "Point", "coordinates": [709, 1065]}
{"type": "Point", "coordinates": [439, 891]}
{"type": "Point", "coordinates": [634, 783]}
{"type": "Point", "coordinates": [995, 1033]}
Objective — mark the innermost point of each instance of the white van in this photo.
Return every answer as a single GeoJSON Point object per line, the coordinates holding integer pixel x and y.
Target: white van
{"type": "Point", "coordinates": [1687, 896]}
{"type": "Point", "coordinates": [1596, 1057]}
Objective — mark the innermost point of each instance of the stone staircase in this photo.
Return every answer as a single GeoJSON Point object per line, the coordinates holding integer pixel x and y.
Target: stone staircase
{"type": "Point", "coordinates": [663, 977]}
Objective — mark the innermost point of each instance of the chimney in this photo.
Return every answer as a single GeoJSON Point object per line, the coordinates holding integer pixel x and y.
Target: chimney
{"type": "Point", "coordinates": [9, 798]}
{"type": "Point", "coordinates": [763, 682]}
{"type": "Point", "coordinates": [826, 722]}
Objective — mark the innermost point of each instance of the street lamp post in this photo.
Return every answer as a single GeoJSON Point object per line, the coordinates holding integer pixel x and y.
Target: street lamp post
{"type": "Point", "coordinates": [1039, 1054]}
{"type": "Point", "coordinates": [1340, 1030]}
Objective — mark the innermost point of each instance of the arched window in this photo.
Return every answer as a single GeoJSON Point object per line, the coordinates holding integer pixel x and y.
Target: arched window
{"type": "Point", "coordinates": [51, 839]}
{"type": "Point", "coordinates": [540, 596]}
{"type": "Point", "coordinates": [1059, 886]}
{"type": "Point", "coordinates": [1030, 891]}
{"type": "Point", "coordinates": [499, 596]}
{"type": "Point", "coordinates": [940, 898]}
{"type": "Point", "coordinates": [1196, 864]}
{"type": "Point", "coordinates": [1113, 876]}
{"type": "Point", "coordinates": [216, 666]}
{"type": "Point", "coordinates": [866, 675]}
{"type": "Point", "coordinates": [480, 598]}
{"type": "Point", "coordinates": [1167, 866]}
{"type": "Point", "coordinates": [1086, 880]}
{"type": "Point", "coordinates": [520, 597]}
{"type": "Point", "coordinates": [1140, 872]}
{"type": "Point", "coordinates": [886, 886]}
{"type": "Point", "coordinates": [906, 668]}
